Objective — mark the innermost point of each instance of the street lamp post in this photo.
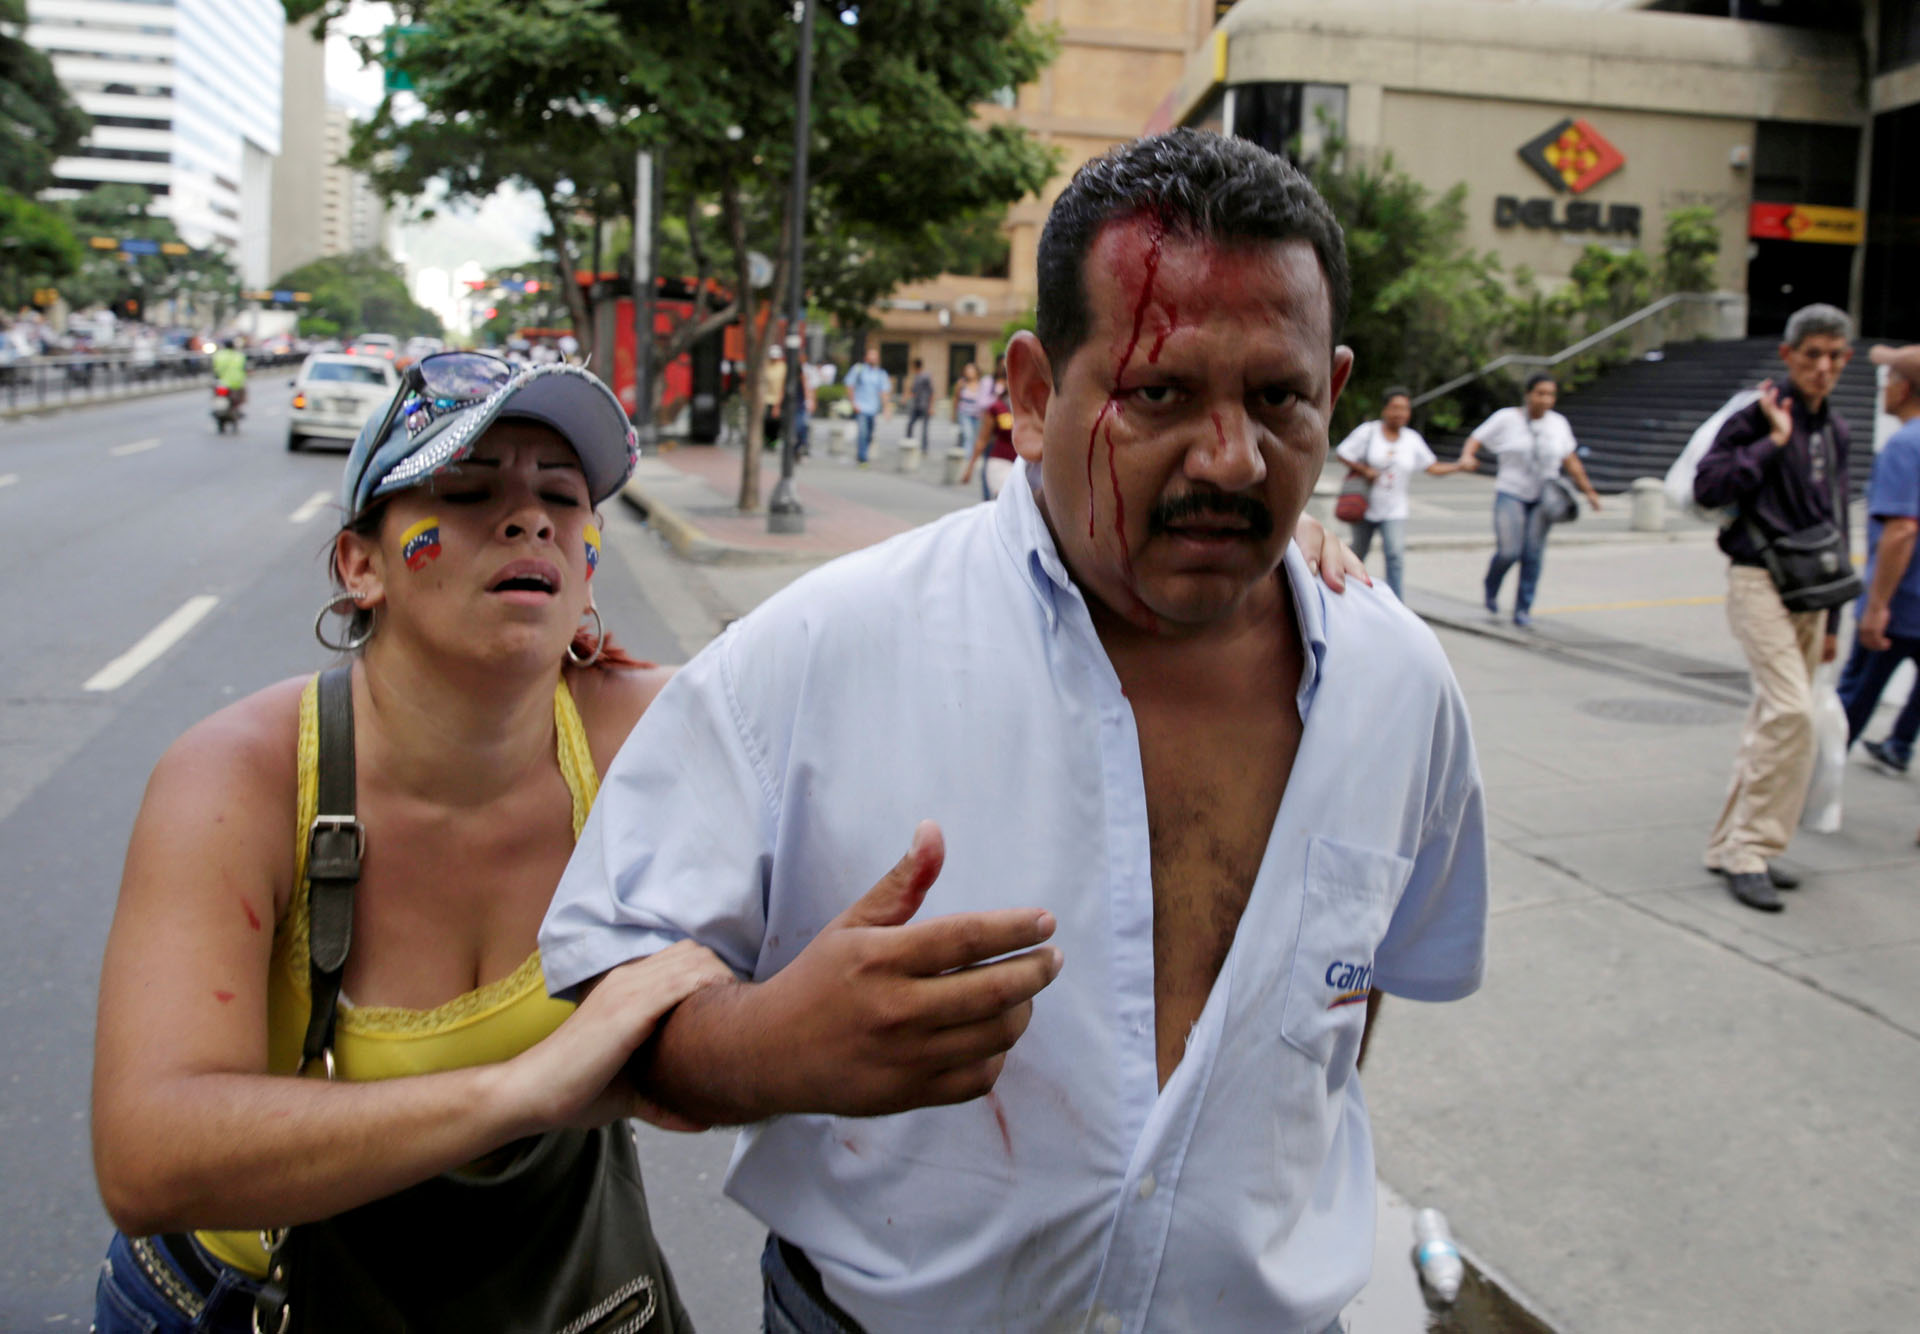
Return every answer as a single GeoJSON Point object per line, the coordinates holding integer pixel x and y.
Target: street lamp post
{"type": "Point", "coordinates": [784, 514]}
{"type": "Point", "coordinates": [646, 232]}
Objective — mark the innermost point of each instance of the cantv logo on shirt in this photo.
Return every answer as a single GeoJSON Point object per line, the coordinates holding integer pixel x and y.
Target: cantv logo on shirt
{"type": "Point", "coordinates": [1350, 982]}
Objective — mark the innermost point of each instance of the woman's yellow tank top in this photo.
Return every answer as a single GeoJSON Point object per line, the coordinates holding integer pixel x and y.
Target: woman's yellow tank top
{"type": "Point", "coordinates": [490, 1024]}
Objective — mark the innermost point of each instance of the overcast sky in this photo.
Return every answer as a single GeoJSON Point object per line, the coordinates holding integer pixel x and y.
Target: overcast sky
{"type": "Point", "coordinates": [503, 231]}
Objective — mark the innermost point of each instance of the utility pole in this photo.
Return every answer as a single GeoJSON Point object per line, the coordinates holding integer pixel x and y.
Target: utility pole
{"type": "Point", "coordinates": [646, 236]}
{"type": "Point", "coordinates": [784, 514]}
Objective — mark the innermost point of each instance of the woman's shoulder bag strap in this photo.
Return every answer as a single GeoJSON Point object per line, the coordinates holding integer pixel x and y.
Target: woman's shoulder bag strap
{"type": "Point", "coordinates": [335, 844]}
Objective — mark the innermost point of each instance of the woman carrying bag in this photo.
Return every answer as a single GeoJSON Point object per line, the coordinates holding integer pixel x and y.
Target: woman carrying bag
{"type": "Point", "coordinates": [330, 1090]}
{"type": "Point", "coordinates": [1385, 454]}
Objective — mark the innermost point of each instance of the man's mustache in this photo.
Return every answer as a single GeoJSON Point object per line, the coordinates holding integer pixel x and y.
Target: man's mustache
{"type": "Point", "coordinates": [1177, 510]}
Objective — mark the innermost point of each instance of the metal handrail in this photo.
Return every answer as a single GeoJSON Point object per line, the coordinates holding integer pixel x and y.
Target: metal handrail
{"type": "Point", "coordinates": [1618, 327]}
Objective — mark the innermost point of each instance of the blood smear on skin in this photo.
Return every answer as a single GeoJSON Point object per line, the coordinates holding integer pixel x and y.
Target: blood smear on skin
{"type": "Point", "coordinates": [253, 918]}
{"type": "Point", "coordinates": [1156, 242]}
{"type": "Point", "coordinates": [223, 996]}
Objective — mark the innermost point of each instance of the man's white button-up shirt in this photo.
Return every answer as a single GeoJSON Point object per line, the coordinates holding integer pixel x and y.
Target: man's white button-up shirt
{"type": "Point", "coordinates": [954, 673]}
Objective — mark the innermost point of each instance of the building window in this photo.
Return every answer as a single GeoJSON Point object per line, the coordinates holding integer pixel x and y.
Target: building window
{"type": "Point", "coordinates": [1899, 35]}
{"type": "Point", "coordinates": [1293, 119]}
{"type": "Point", "coordinates": [1805, 164]}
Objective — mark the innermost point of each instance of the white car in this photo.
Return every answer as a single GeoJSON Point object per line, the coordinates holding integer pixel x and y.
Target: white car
{"type": "Point", "coordinates": [334, 394]}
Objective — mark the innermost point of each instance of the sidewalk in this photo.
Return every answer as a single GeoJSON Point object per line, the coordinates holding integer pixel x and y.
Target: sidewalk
{"type": "Point", "coordinates": [1663, 1110]}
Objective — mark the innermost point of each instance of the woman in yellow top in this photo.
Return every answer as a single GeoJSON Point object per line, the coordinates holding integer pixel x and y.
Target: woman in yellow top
{"type": "Point", "coordinates": [482, 713]}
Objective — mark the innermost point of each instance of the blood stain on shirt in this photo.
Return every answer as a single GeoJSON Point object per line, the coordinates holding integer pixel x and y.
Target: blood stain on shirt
{"type": "Point", "coordinates": [1000, 1120]}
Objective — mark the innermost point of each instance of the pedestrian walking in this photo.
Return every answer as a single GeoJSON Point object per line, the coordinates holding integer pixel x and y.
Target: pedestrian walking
{"type": "Point", "coordinates": [869, 388]}
{"type": "Point", "coordinates": [995, 442]}
{"type": "Point", "coordinates": [1783, 462]}
{"type": "Point", "coordinates": [966, 412]}
{"type": "Point", "coordinates": [920, 403]}
{"type": "Point", "coordinates": [1533, 445]}
{"type": "Point", "coordinates": [1888, 629]}
{"type": "Point", "coordinates": [1172, 1135]}
{"type": "Point", "coordinates": [773, 399]}
{"type": "Point", "coordinates": [391, 830]}
{"type": "Point", "coordinates": [1387, 452]}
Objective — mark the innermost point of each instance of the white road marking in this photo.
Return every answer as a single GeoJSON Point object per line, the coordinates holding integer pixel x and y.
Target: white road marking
{"type": "Point", "coordinates": [311, 506]}
{"type": "Point", "coordinates": [137, 447]}
{"type": "Point", "coordinates": [152, 644]}
{"type": "Point", "coordinates": [9, 479]}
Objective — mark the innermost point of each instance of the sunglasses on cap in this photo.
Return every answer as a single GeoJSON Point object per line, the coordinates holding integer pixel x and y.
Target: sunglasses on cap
{"type": "Point", "coordinates": [442, 383]}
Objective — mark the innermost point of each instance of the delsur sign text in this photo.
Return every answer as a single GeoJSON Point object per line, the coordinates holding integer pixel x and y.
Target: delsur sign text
{"type": "Point", "coordinates": [1580, 216]}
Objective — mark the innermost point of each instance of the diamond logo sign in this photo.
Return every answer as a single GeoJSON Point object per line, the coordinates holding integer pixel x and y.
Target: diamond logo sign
{"type": "Point", "coordinates": [1572, 157]}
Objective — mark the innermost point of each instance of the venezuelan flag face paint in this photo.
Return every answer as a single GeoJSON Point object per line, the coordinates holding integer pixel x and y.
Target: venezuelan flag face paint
{"type": "Point", "coordinates": [593, 550]}
{"type": "Point", "coordinates": [421, 543]}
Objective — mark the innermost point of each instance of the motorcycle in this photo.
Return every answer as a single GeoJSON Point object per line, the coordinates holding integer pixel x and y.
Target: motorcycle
{"type": "Point", "coordinates": [226, 408]}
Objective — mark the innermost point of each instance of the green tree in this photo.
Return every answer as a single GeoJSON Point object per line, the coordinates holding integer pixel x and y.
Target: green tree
{"type": "Point", "coordinates": [1692, 249]}
{"type": "Point", "coordinates": [559, 95]}
{"type": "Point", "coordinates": [362, 292]}
{"type": "Point", "coordinates": [38, 121]}
{"type": "Point", "coordinates": [203, 280]}
{"type": "Point", "coordinates": [1425, 307]}
{"type": "Point", "coordinates": [37, 249]}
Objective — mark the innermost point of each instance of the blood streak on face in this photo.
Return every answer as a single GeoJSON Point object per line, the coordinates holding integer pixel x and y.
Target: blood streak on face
{"type": "Point", "coordinates": [1166, 331]}
{"type": "Point", "coordinates": [1156, 242]}
{"type": "Point", "coordinates": [1219, 430]}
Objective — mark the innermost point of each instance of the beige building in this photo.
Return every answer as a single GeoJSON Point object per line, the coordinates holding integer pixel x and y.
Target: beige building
{"type": "Point", "coordinates": [1571, 122]}
{"type": "Point", "coordinates": [1118, 58]}
{"type": "Point", "coordinates": [295, 231]}
{"type": "Point", "coordinates": [352, 215]}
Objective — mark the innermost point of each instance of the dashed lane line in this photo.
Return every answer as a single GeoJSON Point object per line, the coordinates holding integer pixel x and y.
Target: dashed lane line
{"type": "Point", "coordinates": [136, 447]}
{"type": "Point", "coordinates": [311, 506]}
{"type": "Point", "coordinates": [8, 479]}
{"type": "Point", "coordinates": [152, 644]}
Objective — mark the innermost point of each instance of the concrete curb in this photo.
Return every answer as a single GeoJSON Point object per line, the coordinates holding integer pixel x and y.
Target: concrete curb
{"type": "Point", "coordinates": [48, 409]}
{"type": "Point", "coordinates": [689, 540]}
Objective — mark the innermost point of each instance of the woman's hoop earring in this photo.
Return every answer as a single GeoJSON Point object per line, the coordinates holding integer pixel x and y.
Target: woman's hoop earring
{"type": "Point", "coordinates": [333, 608]}
{"type": "Point", "coordinates": [599, 641]}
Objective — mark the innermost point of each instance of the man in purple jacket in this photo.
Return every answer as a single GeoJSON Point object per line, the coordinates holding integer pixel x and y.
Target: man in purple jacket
{"type": "Point", "coordinates": [1783, 464]}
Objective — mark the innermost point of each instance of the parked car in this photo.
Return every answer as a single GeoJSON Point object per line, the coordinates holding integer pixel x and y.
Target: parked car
{"type": "Point", "coordinates": [334, 394]}
{"type": "Point", "coordinates": [420, 347]}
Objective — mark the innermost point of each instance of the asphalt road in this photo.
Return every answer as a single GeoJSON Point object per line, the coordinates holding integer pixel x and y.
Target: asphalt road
{"type": "Point", "coordinates": [115, 520]}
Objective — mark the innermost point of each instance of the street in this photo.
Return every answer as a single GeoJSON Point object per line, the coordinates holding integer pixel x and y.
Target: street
{"type": "Point", "coordinates": [1662, 1111]}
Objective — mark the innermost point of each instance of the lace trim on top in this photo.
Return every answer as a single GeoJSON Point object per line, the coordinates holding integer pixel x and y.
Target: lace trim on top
{"type": "Point", "coordinates": [583, 785]}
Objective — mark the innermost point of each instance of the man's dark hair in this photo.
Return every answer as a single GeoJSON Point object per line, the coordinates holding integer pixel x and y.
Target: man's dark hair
{"type": "Point", "coordinates": [1392, 392]}
{"type": "Point", "coordinates": [917, 363]}
{"type": "Point", "coordinates": [1539, 378]}
{"type": "Point", "coordinates": [1199, 185]}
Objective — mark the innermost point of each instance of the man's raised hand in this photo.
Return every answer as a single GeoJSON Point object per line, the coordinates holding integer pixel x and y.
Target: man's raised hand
{"type": "Point", "coordinates": [881, 1013]}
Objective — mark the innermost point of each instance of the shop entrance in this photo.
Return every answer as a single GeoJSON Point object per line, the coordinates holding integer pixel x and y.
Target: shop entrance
{"type": "Point", "coordinates": [1803, 226]}
{"type": "Point", "coordinates": [1783, 276]}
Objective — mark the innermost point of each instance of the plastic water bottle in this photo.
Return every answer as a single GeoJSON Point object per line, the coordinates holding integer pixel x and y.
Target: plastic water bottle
{"type": "Point", "coordinates": [1436, 1257]}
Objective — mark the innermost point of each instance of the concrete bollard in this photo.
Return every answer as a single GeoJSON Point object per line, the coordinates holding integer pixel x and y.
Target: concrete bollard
{"type": "Point", "coordinates": [956, 463]}
{"type": "Point", "coordinates": [1649, 505]}
{"type": "Point", "coordinates": [908, 457]}
{"type": "Point", "coordinates": [1325, 492]}
{"type": "Point", "coordinates": [839, 438]}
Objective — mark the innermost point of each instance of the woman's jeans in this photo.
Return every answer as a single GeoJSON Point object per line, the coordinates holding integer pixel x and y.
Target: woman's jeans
{"type": "Point", "coordinates": [1519, 534]}
{"type": "Point", "coordinates": [127, 1301]}
{"type": "Point", "coordinates": [1393, 542]}
{"type": "Point", "coordinates": [969, 422]}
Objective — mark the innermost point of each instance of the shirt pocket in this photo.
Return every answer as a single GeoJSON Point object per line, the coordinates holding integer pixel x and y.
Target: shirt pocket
{"type": "Point", "coordinates": [1347, 901]}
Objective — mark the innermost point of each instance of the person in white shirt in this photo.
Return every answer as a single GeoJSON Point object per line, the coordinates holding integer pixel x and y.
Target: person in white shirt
{"type": "Point", "coordinates": [1387, 452]}
{"type": "Point", "coordinates": [1139, 722]}
{"type": "Point", "coordinates": [1533, 445]}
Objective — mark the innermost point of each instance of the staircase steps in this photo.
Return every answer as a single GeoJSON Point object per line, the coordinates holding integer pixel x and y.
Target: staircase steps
{"type": "Point", "coordinates": [1635, 419]}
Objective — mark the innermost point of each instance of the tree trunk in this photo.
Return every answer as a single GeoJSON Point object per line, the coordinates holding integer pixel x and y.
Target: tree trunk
{"type": "Point", "coordinates": [749, 497]}
{"type": "Point", "coordinates": [569, 289]}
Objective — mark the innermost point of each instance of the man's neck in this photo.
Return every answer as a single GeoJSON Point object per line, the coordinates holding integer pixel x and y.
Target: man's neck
{"type": "Point", "coordinates": [1810, 401]}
